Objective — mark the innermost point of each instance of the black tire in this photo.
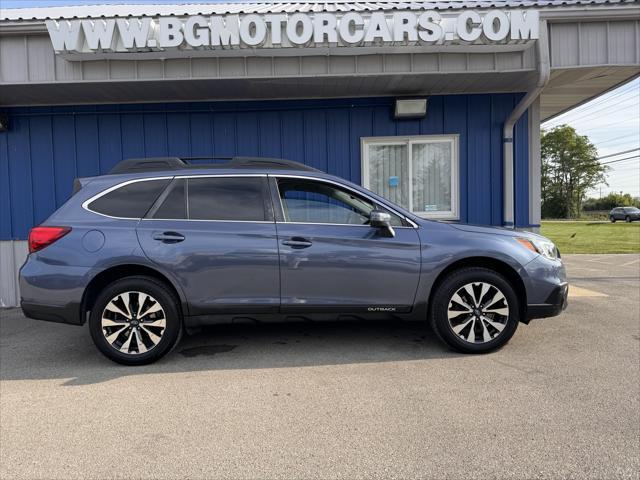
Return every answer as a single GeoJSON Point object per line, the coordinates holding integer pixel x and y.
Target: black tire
{"type": "Point", "coordinates": [627, 219]}
{"type": "Point", "coordinates": [439, 321]}
{"type": "Point", "coordinates": [613, 220]}
{"type": "Point", "coordinates": [170, 336]}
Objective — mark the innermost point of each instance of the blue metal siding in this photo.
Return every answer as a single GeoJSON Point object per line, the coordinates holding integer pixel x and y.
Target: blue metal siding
{"type": "Point", "coordinates": [479, 154]}
{"type": "Point", "coordinates": [47, 147]}
{"type": "Point", "coordinates": [6, 206]}
{"type": "Point", "coordinates": [456, 114]}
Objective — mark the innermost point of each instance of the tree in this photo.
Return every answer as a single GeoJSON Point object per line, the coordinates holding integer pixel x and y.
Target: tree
{"type": "Point", "coordinates": [570, 168]}
{"type": "Point", "coordinates": [610, 201]}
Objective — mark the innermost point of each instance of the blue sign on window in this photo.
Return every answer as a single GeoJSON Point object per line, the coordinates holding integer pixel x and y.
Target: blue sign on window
{"type": "Point", "coordinates": [394, 181]}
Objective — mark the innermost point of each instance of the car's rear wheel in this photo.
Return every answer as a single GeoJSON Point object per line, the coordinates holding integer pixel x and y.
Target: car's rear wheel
{"type": "Point", "coordinates": [627, 219]}
{"type": "Point", "coordinates": [613, 219]}
{"type": "Point", "coordinates": [475, 310]}
{"type": "Point", "coordinates": [135, 321]}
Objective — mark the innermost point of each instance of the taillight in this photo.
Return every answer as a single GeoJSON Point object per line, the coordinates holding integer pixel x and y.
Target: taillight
{"type": "Point", "coordinates": [40, 237]}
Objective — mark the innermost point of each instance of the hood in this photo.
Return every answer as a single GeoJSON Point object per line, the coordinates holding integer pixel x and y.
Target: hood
{"type": "Point", "coordinates": [507, 232]}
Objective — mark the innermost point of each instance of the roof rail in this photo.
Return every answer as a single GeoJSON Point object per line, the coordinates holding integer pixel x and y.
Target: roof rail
{"type": "Point", "coordinates": [134, 165]}
{"type": "Point", "coordinates": [266, 162]}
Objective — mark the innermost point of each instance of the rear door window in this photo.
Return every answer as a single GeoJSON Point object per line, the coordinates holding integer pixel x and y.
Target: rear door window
{"type": "Point", "coordinates": [226, 198]}
{"type": "Point", "coordinates": [129, 201]}
{"type": "Point", "coordinates": [215, 198]}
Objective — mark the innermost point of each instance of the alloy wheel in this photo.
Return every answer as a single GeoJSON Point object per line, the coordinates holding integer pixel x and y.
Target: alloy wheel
{"type": "Point", "coordinates": [133, 322]}
{"type": "Point", "coordinates": [478, 312]}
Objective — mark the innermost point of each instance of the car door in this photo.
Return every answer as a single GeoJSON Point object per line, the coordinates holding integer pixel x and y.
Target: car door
{"type": "Point", "coordinates": [216, 235]}
{"type": "Point", "coordinates": [619, 214]}
{"type": "Point", "coordinates": [331, 260]}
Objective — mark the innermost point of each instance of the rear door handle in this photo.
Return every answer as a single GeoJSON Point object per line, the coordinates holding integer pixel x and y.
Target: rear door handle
{"type": "Point", "coordinates": [169, 237]}
{"type": "Point", "coordinates": [297, 242]}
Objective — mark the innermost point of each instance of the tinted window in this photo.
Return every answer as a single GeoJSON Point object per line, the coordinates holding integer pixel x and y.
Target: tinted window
{"type": "Point", "coordinates": [130, 201]}
{"type": "Point", "coordinates": [174, 205]}
{"type": "Point", "coordinates": [308, 201]}
{"type": "Point", "coordinates": [226, 198]}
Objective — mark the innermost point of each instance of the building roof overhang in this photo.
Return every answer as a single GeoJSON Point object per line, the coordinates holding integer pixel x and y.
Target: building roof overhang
{"type": "Point", "coordinates": [23, 20]}
{"type": "Point", "coordinates": [594, 46]}
{"type": "Point", "coordinates": [551, 8]}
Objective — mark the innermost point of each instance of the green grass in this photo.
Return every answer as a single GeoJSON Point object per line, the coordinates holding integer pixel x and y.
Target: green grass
{"type": "Point", "coordinates": [593, 237]}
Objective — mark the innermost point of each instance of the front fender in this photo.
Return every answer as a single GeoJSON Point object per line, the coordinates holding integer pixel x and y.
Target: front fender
{"type": "Point", "coordinates": [446, 249]}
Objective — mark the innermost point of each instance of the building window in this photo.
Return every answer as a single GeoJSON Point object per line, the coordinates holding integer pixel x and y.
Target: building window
{"type": "Point", "coordinates": [419, 173]}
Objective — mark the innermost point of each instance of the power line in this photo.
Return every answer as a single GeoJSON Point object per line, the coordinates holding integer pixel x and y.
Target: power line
{"type": "Point", "coordinates": [597, 102]}
{"type": "Point", "coordinates": [620, 160]}
{"type": "Point", "coordinates": [634, 179]}
{"type": "Point", "coordinates": [621, 171]}
{"type": "Point", "coordinates": [581, 131]}
{"type": "Point", "coordinates": [617, 189]}
{"type": "Point", "coordinates": [619, 175]}
{"type": "Point", "coordinates": [603, 99]}
{"type": "Point", "coordinates": [600, 127]}
{"type": "Point", "coordinates": [632, 164]}
{"type": "Point", "coordinates": [633, 90]}
{"type": "Point", "coordinates": [605, 114]}
{"type": "Point", "coordinates": [624, 168]}
{"type": "Point", "coordinates": [588, 114]}
{"type": "Point", "coordinates": [626, 177]}
{"type": "Point", "coordinates": [616, 138]}
{"type": "Point", "coordinates": [618, 153]}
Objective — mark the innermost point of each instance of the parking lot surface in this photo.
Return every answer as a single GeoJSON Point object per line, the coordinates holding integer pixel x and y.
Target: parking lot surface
{"type": "Point", "coordinates": [366, 400]}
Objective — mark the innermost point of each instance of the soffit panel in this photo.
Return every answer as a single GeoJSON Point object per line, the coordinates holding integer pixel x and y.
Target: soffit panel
{"type": "Point", "coordinates": [267, 88]}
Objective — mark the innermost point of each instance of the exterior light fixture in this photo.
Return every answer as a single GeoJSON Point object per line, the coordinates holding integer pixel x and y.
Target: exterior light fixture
{"type": "Point", "coordinates": [410, 108]}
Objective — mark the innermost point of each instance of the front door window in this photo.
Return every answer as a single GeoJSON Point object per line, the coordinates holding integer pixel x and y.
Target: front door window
{"type": "Point", "coordinates": [309, 201]}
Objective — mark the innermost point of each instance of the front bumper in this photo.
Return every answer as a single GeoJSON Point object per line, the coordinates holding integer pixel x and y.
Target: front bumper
{"type": "Point", "coordinates": [547, 288]}
{"type": "Point", "coordinates": [555, 303]}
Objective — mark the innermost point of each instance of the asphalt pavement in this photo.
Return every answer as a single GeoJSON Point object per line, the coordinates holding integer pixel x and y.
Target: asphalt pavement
{"type": "Point", "coordinates": [357, 400]}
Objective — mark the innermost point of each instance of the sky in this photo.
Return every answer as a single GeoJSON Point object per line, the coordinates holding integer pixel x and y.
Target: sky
{"type": "Point", "coordinates": [611, 121]}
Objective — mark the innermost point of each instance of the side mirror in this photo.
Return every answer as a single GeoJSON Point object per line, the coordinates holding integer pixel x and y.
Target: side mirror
{"type": "Point", "coordinates": [382, 221]}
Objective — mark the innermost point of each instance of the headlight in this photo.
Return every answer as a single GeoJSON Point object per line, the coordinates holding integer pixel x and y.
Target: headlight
{"type": "Point", "coordinates": [544, 247]}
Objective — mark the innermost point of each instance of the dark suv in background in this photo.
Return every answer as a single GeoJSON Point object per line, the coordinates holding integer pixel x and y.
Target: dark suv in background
{"type": "Point", "coordinates": [159, 246]}
{"type": "Point", "coordinates": [628, 214]}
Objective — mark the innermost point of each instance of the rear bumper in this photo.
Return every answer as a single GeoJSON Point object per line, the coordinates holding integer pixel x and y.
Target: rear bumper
{"type": "Point", "coordinates": [555, 303]}
{"type": "Point", "coordinates": [69, 313]}
{"type": "Point", "coordinates": [52, 292]}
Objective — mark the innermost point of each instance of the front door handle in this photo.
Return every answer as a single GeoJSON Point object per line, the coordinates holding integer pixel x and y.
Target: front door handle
{"type": "Point", "coordinates": [297, 242]}
{"type": "Point", "coordinates": [169, 237]}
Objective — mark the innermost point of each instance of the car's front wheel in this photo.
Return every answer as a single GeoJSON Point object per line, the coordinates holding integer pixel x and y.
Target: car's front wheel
{"type": "Point", "coordinates": [613, 219]}
{"type": "Point", "coordinates": [475, 310]}
{"type": "Point", "coordinates": [135, 321]}
{"type": "Point", "coordinates": [627, 219]}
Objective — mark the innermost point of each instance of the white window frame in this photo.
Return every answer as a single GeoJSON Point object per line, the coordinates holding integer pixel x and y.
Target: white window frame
{"type": "Point", "coordinates": [409, 141]}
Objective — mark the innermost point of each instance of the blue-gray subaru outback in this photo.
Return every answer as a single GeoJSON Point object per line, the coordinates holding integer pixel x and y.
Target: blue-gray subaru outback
{"type": "Point", "coordinates": [159, 246]}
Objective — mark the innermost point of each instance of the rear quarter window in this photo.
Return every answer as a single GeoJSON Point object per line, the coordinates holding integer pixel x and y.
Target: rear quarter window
{"type": "Point", "coordinates": [129, 201]}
